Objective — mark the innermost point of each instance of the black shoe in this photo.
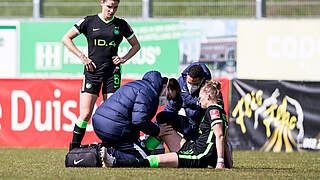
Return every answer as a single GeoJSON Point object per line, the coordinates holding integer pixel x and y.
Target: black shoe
{"type": "Point", "coordinates": [73, 145]}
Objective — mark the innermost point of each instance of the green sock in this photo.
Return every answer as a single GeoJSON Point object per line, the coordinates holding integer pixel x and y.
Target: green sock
{"type": "Point", "coordinates": [79, 131]}
{"type": "Point", "coordinates": [152, 142]}
{"type": "Point", "coordinates": [81, 123]}
{"type": "Point", "coordinates": [154, 161]}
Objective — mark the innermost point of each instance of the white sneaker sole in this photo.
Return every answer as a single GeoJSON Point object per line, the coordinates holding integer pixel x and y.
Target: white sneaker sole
{"type": "Point", "coordinates": [106, 159]}
{"type": "Point", "coordinates": [103, 156]}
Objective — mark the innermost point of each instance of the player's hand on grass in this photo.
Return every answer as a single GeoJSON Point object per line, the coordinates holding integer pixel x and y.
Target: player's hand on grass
{"type": "Point", "coordinates": [90, 66]}
{"type": "Point", "coordinates": [220, 165]}
{"type": "Point", "coordinates": [165, 129]}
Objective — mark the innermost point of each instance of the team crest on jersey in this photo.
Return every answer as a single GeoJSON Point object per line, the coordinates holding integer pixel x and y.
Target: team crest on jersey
{"type": "Point", "coordinates": [88, 85]}
{"type": "Point", "coordinates": [116, 31]}
{"type": "Point", "coordinates": [214, 114]}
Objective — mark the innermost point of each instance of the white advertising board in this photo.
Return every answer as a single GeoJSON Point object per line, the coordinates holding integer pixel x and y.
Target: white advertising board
{"type": "Point", "coordinates": [279, 49]}
{"type": "Point", "coordinates": [8, 48]}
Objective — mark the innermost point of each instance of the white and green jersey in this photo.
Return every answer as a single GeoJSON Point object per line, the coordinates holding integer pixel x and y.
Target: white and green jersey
{"type": "Point", "coordinates": [204, 146]}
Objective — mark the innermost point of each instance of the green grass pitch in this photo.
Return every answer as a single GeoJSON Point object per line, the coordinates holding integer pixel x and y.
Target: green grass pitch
{"type": "Point", "coordinates": [41, 163]}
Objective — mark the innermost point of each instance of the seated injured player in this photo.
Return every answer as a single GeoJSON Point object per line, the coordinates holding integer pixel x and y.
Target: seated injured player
{"type": "Point", "coordinates": [210, 149]}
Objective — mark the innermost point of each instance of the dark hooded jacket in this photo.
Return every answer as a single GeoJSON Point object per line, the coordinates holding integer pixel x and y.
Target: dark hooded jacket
{"type": "Point", "coordinates": [189, 101]}
{"type": "Point", "coordinates": [130, 110]}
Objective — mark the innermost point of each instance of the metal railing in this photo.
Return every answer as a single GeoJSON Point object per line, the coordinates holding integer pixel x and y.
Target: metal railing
{"type": "Point", "coordinates": [165, 8]}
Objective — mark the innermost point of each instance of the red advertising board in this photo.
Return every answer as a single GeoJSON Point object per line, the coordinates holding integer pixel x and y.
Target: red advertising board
{"type": "Point", "coordinates": [42, 112]}
{"type": "Point", "coordinates": [225, 90]}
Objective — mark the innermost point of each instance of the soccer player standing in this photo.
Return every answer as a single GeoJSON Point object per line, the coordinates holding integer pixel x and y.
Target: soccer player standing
{"type": "Point", "coordinates": [104, 33]}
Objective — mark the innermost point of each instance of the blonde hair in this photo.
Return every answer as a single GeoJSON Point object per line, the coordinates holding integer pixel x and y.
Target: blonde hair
{"type": "Point", "coordinates": [212, 87]}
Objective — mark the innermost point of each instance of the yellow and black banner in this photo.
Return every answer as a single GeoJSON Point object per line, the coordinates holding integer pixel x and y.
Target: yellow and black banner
{"type": "Point", "coordinates": [275, 116]}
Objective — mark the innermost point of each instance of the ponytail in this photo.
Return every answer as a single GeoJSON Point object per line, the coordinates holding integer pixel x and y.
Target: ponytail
{"type": "Point", "coordinates": [212, 87]}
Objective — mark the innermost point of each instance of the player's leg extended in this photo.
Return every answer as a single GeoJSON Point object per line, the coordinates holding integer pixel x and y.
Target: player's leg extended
{"type": "Point", "coordinates": [87, 104]}
{"type": "Point", "coordinates": [168, 160]}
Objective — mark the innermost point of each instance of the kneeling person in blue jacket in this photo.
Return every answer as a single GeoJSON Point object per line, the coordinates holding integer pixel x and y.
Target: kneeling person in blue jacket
{"type": "Point", "coordinates": [184, 113]}
{"type": "Point", "coordinates": [119, 120]}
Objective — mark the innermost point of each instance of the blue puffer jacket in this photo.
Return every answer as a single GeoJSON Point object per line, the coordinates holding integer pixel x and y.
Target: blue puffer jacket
{"type": "Point", "coordinates": [187, 101]}
{"type": "Point", "coordinates": [130, 110]}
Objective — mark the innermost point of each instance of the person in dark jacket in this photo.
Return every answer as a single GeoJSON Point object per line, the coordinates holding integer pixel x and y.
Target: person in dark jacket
{"type": "Point", "coordinates": [119, 120]}
{"type": "Point", "coordinates": [184, 113]}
